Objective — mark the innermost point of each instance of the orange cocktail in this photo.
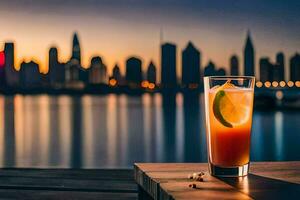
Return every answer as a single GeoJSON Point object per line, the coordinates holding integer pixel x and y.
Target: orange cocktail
{"type": "Point", "coordinates": [229, 105]}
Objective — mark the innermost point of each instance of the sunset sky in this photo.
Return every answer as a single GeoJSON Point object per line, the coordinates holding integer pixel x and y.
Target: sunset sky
{"type": "Point", "coordinates": [118, 29]}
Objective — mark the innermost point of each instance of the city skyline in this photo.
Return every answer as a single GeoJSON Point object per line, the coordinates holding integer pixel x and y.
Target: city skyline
{"type": "Point", "coordinates": [72, 74]}
{"type": "Point", "coordinates": [236, 65]}
{"type": "Point", "coordinates": [116, 30]}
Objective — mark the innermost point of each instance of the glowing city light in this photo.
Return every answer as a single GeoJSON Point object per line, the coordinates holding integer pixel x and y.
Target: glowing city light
{"type": "Point", "coordinates": [259, 84]}
{"type": "Point", "coordinates": [2, 59]}
{"type": "Point", "coordinates": [297, 83]}
{"type": "Point", "coordinates": [112, 82]}
{"type": "Point", "coordinates": [274, 83]}
{"type": "Point", "coordinates": [290, 83]}
{"type": "Point", "coordinates": [151, 86]}
{"type": "Point", "coordinates": [279, 95]}
{"type": "Point", "coordinates": [282, 84]}
{"type": "Point", "coordinates": [267, 84]}
{"type": "Point", "coordinates": [145, 84]}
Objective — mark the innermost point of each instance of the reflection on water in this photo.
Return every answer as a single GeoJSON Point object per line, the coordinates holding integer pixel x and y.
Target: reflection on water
{"type": "Point", "coordinates": [116, 131]}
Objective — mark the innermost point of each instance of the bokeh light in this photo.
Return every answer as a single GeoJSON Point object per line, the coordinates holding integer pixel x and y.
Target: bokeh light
{"type": "Point", "coordinates": [282, 84]}
{"type": "Point", "coordinates": [112, 82]}
{"type": "Point", "coordinates": [275, 84]}
{"type": "Point", "coordinates": [145, 84]}
{"type": "Point", "coordinates": [267, 84]}
{"type": "Point", "coordinates": [151, 86]}
{"type": "Point", "coordinates": [290, 83]}
{"type": "Point", "coordinates": [279, 95]}
{"type": "Point", "coordinates": [259, 84]}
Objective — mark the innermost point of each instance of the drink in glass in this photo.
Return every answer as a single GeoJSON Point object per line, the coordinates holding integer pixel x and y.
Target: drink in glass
{"type": "Point", "coordinates": [228, 111]}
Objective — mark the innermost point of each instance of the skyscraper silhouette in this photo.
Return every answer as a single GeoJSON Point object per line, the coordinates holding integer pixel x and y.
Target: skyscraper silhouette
{"type": "Point", "coordinates": [97, 71]}
{"type": "Point", "coordinates": [134, 71]}
{"type": "Point", "coordinates": [168, 65]}
{"type": "Point", "coordinates": [117, 74]}
{"type": "Point", "coordinates": [221, 71]}
{"type": "Point", "coordinates": [209, 70]}
{"type": "Point", "coordinates": [76, 53]}
{"type": "Point", "coordinates": [265, 68]}
{"type": "Point", "coordinates": [151, 73]}
{"type": "Point", "coordinates": [249, 57]}
{"type": "Point", "coordinates": [234, 65]}
{"type": "Point", "coordinates": [30, 75]}
{"type": "Point", "coordinates": [279, 67]}
{"type": "Point", "coordinates": [53, 58]}
{"type": "Point", "coordinates": [11, 75]}
{"type": "Point", "coordinates": [295, 68]}
{"type": "Point", "coordinates": [56, 69]}
{"type": "Point", "coordinates": [75, 75]}
{"type": "Point", "coordinates": [76, 60]}
{"type": "Point", "coordinates": [190, 65]}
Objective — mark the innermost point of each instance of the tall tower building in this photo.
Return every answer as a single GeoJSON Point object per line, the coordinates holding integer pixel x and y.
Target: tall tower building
{"type": "Point", "coordinates": [280, 72]}
{"type": "Point", "coordinates": [151, 73]}
{"type": "Point", "coordinates": [30, 75]}
{"type": "Point", "coordinates": [234, 65]}
{"type": "Point", "coordinates": [97, 71]}
{"type": "Point", "coordinates": [168, 65]}
{"type": "Point", "coordinates": [11, 75]}
{"type": "Point", "coordinates": [266, 70]}
{"type": "Point", "coordinates": [76, 55]}
{"type": "Point", "coordinates": [190, 65]}
{"type": "Point", "coordinates": [134, 71]}
{"type": "Point", "coordinates": [117, 74]}
{"type": "Point", "coordinates": [53, 57]}
{"type": "Point", "coordinates": [249, 57]}
{"type": "Point", "coordinates": [56, 69]}
{"type": "Point", "coordinates": [295, 67]}
{"type": "Point", "coordinates": [75, 75]}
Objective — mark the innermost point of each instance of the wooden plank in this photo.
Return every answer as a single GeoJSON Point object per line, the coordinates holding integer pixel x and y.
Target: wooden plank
{"type": "Point", "coordinates": [169, 180]}
{"type": "Point", "coordinates": [285, 171]}
{"type": "Point", "coordinates": [67, 184]}
{"type": "Point", "coordinates": [104, 174]}
{"type": "Point", "coordinates": [63, 195]}
{"type": "Point", "coordinates": [158, 182]}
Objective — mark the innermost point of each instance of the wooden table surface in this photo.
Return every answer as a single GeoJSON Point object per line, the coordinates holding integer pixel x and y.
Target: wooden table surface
{"type": "Point", "coordinates": [67, 184]}
{"type": "Point", "coordinates": [267, 180]}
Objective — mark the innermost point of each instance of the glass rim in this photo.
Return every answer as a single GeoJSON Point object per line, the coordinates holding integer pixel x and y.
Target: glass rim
{"type": "Point", "coordinates": [230, 77]}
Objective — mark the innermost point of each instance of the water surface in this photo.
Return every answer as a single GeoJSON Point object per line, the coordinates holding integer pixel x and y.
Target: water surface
{"type": "Point", "coordinates": [114, 131]}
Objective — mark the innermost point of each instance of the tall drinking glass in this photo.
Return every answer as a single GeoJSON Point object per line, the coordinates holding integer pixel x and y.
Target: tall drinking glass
{"type": "Point", "coordinates": [228, 113]}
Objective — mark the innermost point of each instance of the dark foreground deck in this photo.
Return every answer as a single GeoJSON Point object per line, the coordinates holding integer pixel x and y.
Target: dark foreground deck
{"type": "Point", "coordinates": [267, 180]}
{"type": "Point", "coordinates": [67, 184]}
